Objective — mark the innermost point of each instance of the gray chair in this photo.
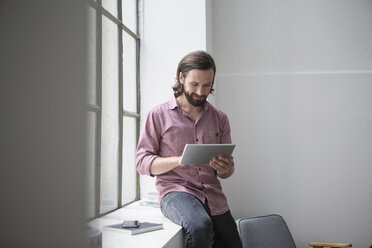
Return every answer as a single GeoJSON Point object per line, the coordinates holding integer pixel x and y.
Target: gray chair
{"type": "Point", "coordinates": [271, 231]}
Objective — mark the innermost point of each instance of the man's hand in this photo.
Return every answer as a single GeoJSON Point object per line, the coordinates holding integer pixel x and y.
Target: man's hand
{"type": "Point", "coordinates": [223, 165]}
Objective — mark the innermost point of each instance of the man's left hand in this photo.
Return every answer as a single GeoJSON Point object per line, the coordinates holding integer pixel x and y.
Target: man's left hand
{"type": "Point", "coordinates": [224, 166]}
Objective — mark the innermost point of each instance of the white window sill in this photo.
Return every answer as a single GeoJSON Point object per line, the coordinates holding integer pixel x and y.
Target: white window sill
{"type": "Point", "coordinates": [171, 236]}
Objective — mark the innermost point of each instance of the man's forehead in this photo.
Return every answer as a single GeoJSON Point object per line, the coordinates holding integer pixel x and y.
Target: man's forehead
{"type": "Point", "coordinates": [204, 75]}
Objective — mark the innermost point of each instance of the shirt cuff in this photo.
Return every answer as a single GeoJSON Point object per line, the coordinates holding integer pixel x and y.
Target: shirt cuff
{"type": "Point", "coordinates": [147, 161]}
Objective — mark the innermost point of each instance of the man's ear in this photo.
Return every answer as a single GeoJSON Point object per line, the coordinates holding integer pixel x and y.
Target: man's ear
{"type": "Point", "coordinates": [182, 79]}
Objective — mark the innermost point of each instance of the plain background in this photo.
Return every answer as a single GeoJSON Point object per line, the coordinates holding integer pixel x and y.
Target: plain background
{"type": "Point", "coordinates": [295, 78]}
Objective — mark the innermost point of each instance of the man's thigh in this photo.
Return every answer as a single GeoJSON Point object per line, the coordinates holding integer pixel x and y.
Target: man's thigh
{"type": "Point", "coordinates": [183, 208]}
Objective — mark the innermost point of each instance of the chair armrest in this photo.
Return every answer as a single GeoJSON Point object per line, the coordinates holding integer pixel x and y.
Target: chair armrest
{"type": "Point", "coordinates": [328, 244]}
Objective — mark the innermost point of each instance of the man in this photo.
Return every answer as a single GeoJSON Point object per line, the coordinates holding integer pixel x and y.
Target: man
{"type": "Point", "coordinates": [190, 195]}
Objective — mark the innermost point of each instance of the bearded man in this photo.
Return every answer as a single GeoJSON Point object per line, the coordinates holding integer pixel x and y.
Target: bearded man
{"type": "Point", "coordinates": [190, 195]}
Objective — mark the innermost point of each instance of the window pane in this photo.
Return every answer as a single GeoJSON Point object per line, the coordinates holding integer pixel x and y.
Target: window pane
{"type": "Point", "coordinates": [110, 118]}
{"type": "Point", "coordinates": [111, 6]}
{"type": "Point", "coordinates": [92, 58]}
{"type": "Point", "coordinates": [129, 73]}
{"type": "Point", "coordinates": [129, 159]}
{"type": "Point", "coordinates": [130, 14]}
{"type": "Point", "coordinates": [91, 163]}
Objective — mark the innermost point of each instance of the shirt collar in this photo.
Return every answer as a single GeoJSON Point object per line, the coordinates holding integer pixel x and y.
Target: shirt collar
{"type": "Point", "coordinates": [173, 103]}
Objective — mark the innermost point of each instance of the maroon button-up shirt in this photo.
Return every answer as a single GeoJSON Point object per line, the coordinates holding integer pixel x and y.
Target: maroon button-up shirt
{"type": "Point", "coordinates": [165, 133]}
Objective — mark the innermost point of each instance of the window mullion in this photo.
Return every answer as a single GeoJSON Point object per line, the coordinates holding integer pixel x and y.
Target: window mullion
{"type": "Point", "coordinates": [138, 101]}
{"type": "Point", "coordinates": [119, 21]}
{"type": "Point", "coordinates": [121, 100]}
{"type": "Point", "coordinates": [99, 103]}
{"type": "Point", "coordinates": [93, 107]}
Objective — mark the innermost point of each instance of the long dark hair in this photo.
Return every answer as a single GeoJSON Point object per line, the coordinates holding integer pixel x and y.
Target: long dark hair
{"type": "Point", "coordinates": [195, 60]}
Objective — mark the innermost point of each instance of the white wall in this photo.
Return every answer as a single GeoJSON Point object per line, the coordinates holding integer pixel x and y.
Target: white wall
{"type": "Point", "coordinates": [170, 30]}
{"type": "Point", "coordinates": [295, 78]}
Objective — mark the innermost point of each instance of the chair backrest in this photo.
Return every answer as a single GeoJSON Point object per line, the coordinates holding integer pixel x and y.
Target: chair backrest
{"type": "Point", "coordinates": [269, 231]}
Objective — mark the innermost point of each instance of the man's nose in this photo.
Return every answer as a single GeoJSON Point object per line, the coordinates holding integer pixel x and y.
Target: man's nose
{"type": "Point", "coordinates": [200, 91]}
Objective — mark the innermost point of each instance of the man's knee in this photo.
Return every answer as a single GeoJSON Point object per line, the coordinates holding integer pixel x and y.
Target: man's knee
{"type": "Point", "coordinates": [204, 225]}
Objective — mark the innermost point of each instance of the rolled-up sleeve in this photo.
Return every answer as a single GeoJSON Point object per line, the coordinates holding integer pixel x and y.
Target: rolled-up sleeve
{"type": "Point", "coordinates": [148, 145]}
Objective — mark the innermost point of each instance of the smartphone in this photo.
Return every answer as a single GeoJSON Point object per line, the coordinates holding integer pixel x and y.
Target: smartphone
{"type": "Point", "coordinates": [130, 223]}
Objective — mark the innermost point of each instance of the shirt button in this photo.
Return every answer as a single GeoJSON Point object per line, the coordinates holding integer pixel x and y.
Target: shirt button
{"type": "Point", "coordinates": [197, 140]}
{"type": "Point", "coordinates": [199, 169]}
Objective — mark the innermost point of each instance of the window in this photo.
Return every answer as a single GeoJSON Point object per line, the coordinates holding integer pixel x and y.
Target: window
{"type": "Point", "coordinates": [113, 105]}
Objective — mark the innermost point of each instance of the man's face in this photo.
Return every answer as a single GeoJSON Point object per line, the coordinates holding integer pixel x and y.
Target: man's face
{"type": "Point", "coordinates": [197, 84]}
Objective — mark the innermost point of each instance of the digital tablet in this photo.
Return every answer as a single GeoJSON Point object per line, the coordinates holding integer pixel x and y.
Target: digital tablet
{"type": "Point", "coordinates": [203, 153]}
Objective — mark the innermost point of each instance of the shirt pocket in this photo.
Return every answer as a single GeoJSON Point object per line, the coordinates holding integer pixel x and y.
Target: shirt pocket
{"type": "Point", "coordinates": [175, 139]}
{"type": "Point", "coordinates": [211, 137]}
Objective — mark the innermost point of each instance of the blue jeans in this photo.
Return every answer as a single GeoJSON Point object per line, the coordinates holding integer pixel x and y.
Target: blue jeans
{"type": "Point", "coordinates": [202, 229]}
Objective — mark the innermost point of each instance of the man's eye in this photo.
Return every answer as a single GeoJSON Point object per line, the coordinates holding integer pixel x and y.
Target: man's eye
{"type": "Point", "coordinates": [194, 84]}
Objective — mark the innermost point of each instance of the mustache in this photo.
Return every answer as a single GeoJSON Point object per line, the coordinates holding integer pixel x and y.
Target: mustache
{"type": "Point", "coordinates": [202, 96]}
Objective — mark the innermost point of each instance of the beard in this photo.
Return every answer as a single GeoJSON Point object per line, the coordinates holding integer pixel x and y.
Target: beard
{"type": "Point", "coordinates": [194, 102]}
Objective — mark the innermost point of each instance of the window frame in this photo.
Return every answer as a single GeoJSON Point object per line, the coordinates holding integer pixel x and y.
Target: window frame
{"type": "Point", "coordinates": [96, 108]}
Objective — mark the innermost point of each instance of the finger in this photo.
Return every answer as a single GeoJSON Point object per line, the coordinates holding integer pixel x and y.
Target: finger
{"type": "Point", "coordinates": [225, 159]}
{"type": "Point", "coordinates": [220, 163]}
{"type": "Point", "coordinates": [225, 163]}
{"type": "Point", "coordinates": [213, 165]}
{"type": "Point", "coordinates": [217, 166]}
